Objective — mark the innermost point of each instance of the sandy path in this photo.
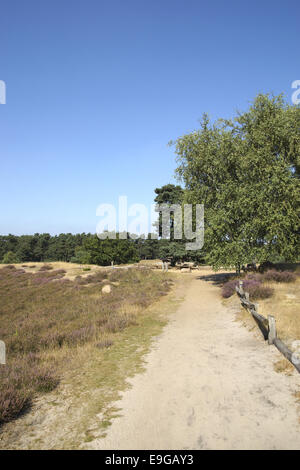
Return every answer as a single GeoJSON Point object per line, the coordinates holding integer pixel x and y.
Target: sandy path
{"type": "Point", "coordinates": [209, 384]}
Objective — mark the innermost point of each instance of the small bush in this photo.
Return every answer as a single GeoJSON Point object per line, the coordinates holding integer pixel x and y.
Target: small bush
{"type": "Point", "coordinates": [228, 288]}
{"type": "Point", "coordinates": [19, 382]}
{"type": "Point", "coordinates": [257, 290]}
{"type": "Point", "coordinates": [43, 379]}
{"type": "Point", "coordinates": [105, 343]}
{"type": "Point", "coordinates": [255, 277]}
{"type": "Point", "coordinates": [46, 267]}
{"type": "Point", "coordinates": [80, 336]}
{"type": "Point", "coordinates": [279, 276]}
{"type": "Point", "coordinates": [12, 402]}
{"type": "Point", "coordinates": [10, 258]}
{"type": "Point", "coordinates": [251, 284]}
{"type": "Point", "coordinates": [117, 274]}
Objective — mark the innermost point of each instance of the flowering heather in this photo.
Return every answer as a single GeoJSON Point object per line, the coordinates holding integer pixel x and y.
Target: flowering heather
{"type": "Point", "coordinates": [257, 290]}
{"type": "Point", "coordinates": [279, 276]}
{"type": "Point", "coordinates": [252, 285]}
{"type": "Point", "coordinates": [228, 288]}
{"type": "Point", "coordinates": [43, 312]}
{"type": "Point", "coordinates": [46, 267]}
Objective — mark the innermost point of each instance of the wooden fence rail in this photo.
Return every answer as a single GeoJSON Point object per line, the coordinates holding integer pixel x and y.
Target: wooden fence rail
{"type": "Point", "coordinates": [267, 326]}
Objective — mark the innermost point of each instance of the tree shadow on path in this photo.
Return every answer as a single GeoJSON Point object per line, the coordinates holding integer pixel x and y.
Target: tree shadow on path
{"type": "Point", "coordinates": [217, 279]}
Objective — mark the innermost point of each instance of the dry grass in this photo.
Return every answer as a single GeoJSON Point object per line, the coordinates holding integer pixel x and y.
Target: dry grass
{"type": "Point", "coordinates": [72, 269]}
{"type": "Point", "coordinates": [284, 305]}
{"type": "Point", "coordinates": [283, 365]}
{"type": "Point", "coordinates": [47, 320]}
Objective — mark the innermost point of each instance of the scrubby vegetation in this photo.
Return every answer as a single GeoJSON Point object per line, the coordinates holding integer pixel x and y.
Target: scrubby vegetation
{"type": "Point", "coordinates": [254, 283]}
{"type": "Point", "coordinates": [43, 312]}
{"type": "Point", "coordinates": [254, 287]}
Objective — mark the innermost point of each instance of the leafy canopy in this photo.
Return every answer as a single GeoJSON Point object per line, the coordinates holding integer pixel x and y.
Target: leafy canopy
{"type": "Point", "coordinates": [246, 173]}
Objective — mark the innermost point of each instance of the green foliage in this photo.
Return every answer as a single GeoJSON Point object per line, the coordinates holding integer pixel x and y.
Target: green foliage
{"type": "Point", "coordinates": [170, 194]}
{"type": "Point", "coordinates": [103, 252]}
{"type": "Point", "coordinates": [246, 173]}
{"type": "Point", "coordinates": [10, 258]}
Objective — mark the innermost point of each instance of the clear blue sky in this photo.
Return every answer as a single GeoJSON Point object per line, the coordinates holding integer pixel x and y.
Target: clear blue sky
{"type": "Point", "coordinates": [96, 89]}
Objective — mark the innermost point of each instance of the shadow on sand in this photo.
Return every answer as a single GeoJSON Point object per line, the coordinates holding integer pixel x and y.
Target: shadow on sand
{"type": "Point", "coordinates": [217, 279]}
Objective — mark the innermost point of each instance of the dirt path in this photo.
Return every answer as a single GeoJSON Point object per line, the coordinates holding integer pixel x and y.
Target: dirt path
{"type": "Point", "coordinates": [208, 384]}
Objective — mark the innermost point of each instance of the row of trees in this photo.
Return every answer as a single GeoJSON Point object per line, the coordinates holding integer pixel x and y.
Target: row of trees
{"type": "Point", "coordinates": [87, 249]}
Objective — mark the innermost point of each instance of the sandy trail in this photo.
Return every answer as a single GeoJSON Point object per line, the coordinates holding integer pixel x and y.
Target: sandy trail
{"type": "Point", "coordinates": [208, 384]}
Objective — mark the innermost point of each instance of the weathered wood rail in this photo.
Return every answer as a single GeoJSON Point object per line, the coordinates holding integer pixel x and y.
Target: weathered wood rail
{"type": "Point", "coordinates": [267, 326]}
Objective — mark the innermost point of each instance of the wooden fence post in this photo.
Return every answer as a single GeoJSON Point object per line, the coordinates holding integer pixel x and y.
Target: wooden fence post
{"type": "Point", "coordinates": [272, 329]}
{"type": "Point", "coordinates": [241, 288]}
{"type": "Point", "coordinates": [2, 352]}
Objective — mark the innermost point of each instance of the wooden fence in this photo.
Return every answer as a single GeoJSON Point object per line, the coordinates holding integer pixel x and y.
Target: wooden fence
{"type": "Point", "coordinates": [267, 326]}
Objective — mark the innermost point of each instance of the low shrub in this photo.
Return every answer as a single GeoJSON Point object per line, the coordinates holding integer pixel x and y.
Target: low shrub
{"type": "Point", "coordinates": [105, 343]}
{"type": "Point", "coordinates": [279, 276]}
{"type": "Point", "coordinates": [19, 381]}
{"type": "Point", "coordinates": [252, 285]}
{"type": "Point", "coordinates": [12, 402]}
{"type": "Point", "coordinates": [228, 288]}
{"type": "Point", "coordinates": [46, 267]}
{"type": "Point", "coordinates": [257, 290]}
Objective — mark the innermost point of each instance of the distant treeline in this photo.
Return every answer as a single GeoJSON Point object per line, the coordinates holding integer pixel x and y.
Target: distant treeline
{"type": "Point", "coordinates": [87, 248]}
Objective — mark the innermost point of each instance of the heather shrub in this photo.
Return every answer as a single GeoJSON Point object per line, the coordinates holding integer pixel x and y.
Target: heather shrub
{"type": "Point", "coordinates": [117, 274]}
{"type": "Point", "coordinates": [80, 336]}
{"type": "Point", "coordinates": [279, 276]}
{"type": "Point", "coordinates": [251, 284]}
{"type": "Point", "coordinates": [46, 267]}
{"type": "Point", "coordinates": [43, 312]}
{"type": "Point", "coordinates": [228, 288]}
{"type": "Point", "coordinates": [12, 402]}
{"type": "Point", "coordinates": [19, 381]}
{"type": "Point", "coordinates": [256, 290]}
{"type": "Point", "coordinates": [80, 281]}
{"type": "Point", "coordinates": [254, 277]}
{"type": "Point", "coordinates": [43, 379]}
{"type": "Point", "coordinates": [60, 271]}
{"type": "Point", "coordinates": [105, 343]}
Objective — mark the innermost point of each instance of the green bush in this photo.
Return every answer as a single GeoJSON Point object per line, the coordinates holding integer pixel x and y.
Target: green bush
{"type": "Point", "coordinates": [10, 258]}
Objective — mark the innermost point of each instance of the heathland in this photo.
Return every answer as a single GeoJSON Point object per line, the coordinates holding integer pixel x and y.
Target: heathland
{"type": "Point", "coordinates": [53, 313]}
